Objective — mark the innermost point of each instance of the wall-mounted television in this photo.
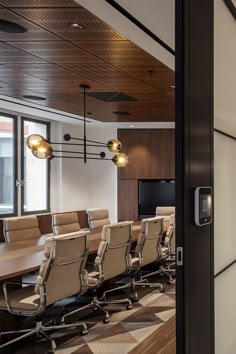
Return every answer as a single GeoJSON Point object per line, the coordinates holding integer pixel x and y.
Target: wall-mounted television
{"type": "Point", "coordinates": [155, 192]}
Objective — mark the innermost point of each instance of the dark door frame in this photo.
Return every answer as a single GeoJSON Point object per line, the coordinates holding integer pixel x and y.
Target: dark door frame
{"type": "Point", "coordinates": [194, 167]}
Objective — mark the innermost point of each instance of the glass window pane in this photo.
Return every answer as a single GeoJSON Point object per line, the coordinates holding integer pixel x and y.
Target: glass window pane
{"type": "Point", "coordinates": [7, 178]}
{"type": "Point", "coordinates": [35, 190]}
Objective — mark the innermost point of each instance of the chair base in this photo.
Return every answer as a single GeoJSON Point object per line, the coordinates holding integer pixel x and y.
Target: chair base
{"type": "Point", "coordinates": [162, 271]}
{"type": "Point", "coordinates": [132, 285]}
{"type": "Point", "coordinates": [97, 304]}
{"type": "Point", "coordinates": [41, 329]}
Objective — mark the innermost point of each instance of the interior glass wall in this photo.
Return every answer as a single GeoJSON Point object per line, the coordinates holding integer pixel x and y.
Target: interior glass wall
{"type": "Point", "coordinates": [225, 177]}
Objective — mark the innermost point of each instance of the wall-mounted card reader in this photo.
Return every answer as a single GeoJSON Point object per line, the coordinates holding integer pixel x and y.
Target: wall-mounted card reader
{"type": "Point", "coordinates": [203, 206]}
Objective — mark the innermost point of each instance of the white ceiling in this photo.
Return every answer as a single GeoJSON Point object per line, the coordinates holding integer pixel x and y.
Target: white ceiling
{"type": "Point", "coordinates": [157, 15]}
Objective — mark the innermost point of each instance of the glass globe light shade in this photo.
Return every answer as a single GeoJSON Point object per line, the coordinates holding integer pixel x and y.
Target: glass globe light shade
{"type": "Point", "coordinates": [34, 139]}
{"type": "Point", "coordinates": [114, 145]}
{"type": "Point", "coordinates": [42, 150]}
{"type": "Point", "coordinates": [120, 159]}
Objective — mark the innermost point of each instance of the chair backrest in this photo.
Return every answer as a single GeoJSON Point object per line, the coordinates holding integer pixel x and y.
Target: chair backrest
{"type": "Point", "coordinates": [170, 234]}
{"type": "Point", "coordinates": [21, 228]}
{"type": "Point", "coordinates": [65, 223]}
{"type": "Point", "coordinates": [62, 270]}
{"type": "Point", "coordinates": [98, 218]}
{"type": "Point", "coordinates": [113, 251]}
{"type": "Point", "coordinates": [166, 212]}
{"type": "Point", "coordinates": [149, 241]}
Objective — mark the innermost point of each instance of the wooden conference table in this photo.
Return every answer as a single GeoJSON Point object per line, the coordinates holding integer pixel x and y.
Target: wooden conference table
{"type": "Point", "coordinates": [22, 257]}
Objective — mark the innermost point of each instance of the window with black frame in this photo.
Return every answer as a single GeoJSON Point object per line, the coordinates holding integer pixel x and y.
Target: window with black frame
{"type": "Point", "coordinates": [35, 195]}
{"type": "Point", "coordinates": [7, 165]}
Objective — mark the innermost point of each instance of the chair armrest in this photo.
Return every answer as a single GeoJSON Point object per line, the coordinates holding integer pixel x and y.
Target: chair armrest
{"type": "Point", "coordinates": [5, 291]}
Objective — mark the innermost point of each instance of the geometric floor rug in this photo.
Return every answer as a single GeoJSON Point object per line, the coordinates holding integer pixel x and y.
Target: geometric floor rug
{"type": "Point", "coordinates": [127, 329]}
{"type": "Point", "coordinates": [150, 324]}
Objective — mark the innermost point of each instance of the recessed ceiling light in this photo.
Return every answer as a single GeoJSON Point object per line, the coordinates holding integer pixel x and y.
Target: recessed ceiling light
{"type": "Point", "coordinates": [11, 27]}
{"type": "Point", "coordinates": [34, 98]}
{"type": "Point", "coordinates": [131, 126]}
{"type": "Point", "coordinates": [76, 25]}
{"type": "Point", "coordinates": [172, 86]}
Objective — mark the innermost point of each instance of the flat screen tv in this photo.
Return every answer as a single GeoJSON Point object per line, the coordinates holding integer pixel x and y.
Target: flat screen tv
{"type": "Point", "coordinates": [153, 193]}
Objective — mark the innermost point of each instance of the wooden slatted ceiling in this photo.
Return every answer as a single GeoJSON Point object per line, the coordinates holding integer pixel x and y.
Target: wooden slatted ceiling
{"type": "Point", "coordinates": [52, 59]}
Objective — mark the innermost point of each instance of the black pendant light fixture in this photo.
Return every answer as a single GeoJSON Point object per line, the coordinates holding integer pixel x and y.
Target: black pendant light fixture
{"type": "Point", "coordinates": [43, 149]}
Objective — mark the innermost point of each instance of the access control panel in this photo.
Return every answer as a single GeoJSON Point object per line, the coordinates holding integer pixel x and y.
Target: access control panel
{"type": "Point", "coordinates": [203, 206]}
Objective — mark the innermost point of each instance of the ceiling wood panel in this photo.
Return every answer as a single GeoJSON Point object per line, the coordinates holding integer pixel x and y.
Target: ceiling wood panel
{"type": "Point", "coordinates": [39, 3]}
{"type": "Point", "coordinates": [33, 33]}
{"type": "Point", "coordinates": [58, 22]}
{"type": "Point", "coordinates": [52, 59]}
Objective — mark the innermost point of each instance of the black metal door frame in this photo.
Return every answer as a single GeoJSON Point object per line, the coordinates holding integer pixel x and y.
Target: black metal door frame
{"type": "Point", "coordinates": [194, 167]}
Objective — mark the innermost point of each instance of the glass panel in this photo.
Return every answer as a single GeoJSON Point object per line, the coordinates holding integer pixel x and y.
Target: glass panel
{"type": "Point", "coordinates": [35, 172]}
{"type": "Point", "coordinates": [7, 174]}
{"type": "Point", "coordinates": [224, 177]}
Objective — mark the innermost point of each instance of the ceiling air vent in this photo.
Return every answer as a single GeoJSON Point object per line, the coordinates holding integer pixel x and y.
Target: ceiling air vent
{"type": "Point", "coordinates": [111, 96]}
{"type": "Point", "coordinates": [121, 113]}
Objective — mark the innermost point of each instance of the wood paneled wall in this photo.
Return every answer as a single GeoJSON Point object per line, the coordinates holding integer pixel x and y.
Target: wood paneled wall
{"type": "Point", "coordinates": [151, 156]}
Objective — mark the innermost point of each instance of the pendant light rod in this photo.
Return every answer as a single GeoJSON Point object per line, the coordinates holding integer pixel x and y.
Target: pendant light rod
{"type": "Point", "coordinates": [78, 157]}
{"type": "Point", "coordinates": [84, 87]}
{"type": "Point", "coordinates": [76, 152]}
{"type": "Point", "coordinates": [91, 141]}
{"type": "Point", "coordinates": [71, 144]}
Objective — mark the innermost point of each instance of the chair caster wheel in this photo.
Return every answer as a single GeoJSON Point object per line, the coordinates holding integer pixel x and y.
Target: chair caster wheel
{"type": "Point", "coordinates": [129, 307]}
{"type": "Point", "coordinates": [162, 290]}
{"type": "Point", "coordinates": [106, 320]}
{"type": "Point", "coordinates": [84, 332]}
{"type": "Point", "coordinates": [95, 309]}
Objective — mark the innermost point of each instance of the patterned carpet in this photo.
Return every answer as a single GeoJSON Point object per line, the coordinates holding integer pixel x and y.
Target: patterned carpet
{"type": "Point", "coordinates": [127, 329]}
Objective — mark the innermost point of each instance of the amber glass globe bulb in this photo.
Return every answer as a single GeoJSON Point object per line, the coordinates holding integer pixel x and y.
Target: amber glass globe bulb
{"type": "Point", "coordinates": [42, 150]}
{"type": "Point", "coordinates": [120, 159]}
{"type": "Point", "coordinates": [114, 145]}
{"type": "Point", "coordinates": [34, 139]}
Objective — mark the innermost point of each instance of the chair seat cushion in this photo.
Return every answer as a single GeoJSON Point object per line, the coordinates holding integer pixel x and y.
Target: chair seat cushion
{"type": "Point", "coordinates": [23, 299]}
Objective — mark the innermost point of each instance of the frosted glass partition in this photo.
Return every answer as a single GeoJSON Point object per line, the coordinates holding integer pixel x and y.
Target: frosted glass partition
{"type": "Point", "coordinates": [225, 201]}
{"type": "Point", "coordinates": [225, 178]}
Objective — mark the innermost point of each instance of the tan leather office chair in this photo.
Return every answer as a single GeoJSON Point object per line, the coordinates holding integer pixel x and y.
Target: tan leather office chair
{"type": "Point", "coordinates": [112, 260]}
{"type": "Point", "coordinates": [65, 223]}
{"type": "Point", "coordinates": [168, 250]}
{"type": "Point", "coordinates": [148, 250]}
{"type": "Point", "coordinates": [61, 275]}
{"type": "Point", "coordinates": [167, 259]}
{"type": "Point", "coordinates": [98, 218]}
{"type": "Point", "coordinates": [21, 228]}
{"type": "Point", "coordinates": [166, 212]}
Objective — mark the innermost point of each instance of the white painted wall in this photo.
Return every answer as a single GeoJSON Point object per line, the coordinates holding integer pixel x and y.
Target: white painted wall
{"type": "Point", "coordinates": [83, 186]}
{"type": "Point", "coordinates": [225, 176]}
